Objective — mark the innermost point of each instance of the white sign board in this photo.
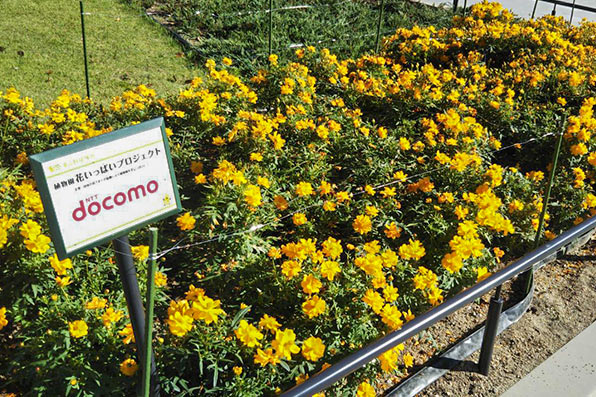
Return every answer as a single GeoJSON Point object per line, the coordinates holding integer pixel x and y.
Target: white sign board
{"type": "Point", "coordinates": [103, 187]}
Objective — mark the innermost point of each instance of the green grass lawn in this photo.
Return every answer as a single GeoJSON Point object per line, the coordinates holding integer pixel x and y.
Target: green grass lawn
{"type": "Point", "coordinates": [41, 49]}
{"type": "Point", "coordinates": [240, 29]}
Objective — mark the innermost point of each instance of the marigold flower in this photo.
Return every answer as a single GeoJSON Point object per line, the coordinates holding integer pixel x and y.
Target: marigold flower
{"type": "Point", "coordinates": [365, 390]}
{"type": "Point", "coordinates": [284, 344]}
{"type": "Point", "coordinates": [248, 334]}
{"type": "Point", "coordinates": [280, 203]}
{"type": "Point", "coordinates": [59, 266]}
{"type": "Point", "coordinates": [127, 334]}
{"type": "Point", "coordinates": [269, 323]}
{"type": "Point", "coordinates": [314, 306]}
{"type": "Point", "coordinates": [38, 244]}
{"type": "Point", "coordinates": [111, 316]}
{"type": "Point", "coordinates": [180, 324]}
{"type": "Point", "coordinates": [161, 279]}
{"type": "Point", "coordinates": [408, 360]}
{"type": "Point", "coordinates": [140, 252]}
{"type": "Point", "coordinates": [96, 303]}
{"type": "Point", "coordinates": [129, 367]}
{"type": "Point", "coordinates": [413, 250]}
{"type": "Point", "coordinates": [362, 224]}
{"type": "Point", "coordinates": [299, 219]}
{"type": "Point", "coordinates": [310, 284]}
{"type": "Point", "coordinates": [252, 195]}
{"type": "Point", "coordinates": [329, 269]}
{"type": "Point", "coordinates": [313, 348]}
{"type": "Point", "coordinates": [3, 320]}
{"type": "Point", "coordinates": [264, 357]}
{"type": "Point", "coordinates": [392, 231]}
{"type": "Point", "coordinates": [304, 189]}
{"type": "Point", "coordinates": [77, 328]}
{"type": "Point", "coordinates": [206, 309]}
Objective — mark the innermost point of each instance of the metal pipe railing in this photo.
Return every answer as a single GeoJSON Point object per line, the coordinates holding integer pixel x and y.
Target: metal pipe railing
{"type": "Point", "coordinates": [570, 5]}
{"type": "Point", "coordinates": [351, 363]}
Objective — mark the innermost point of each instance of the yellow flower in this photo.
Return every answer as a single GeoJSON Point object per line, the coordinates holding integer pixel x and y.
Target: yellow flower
{"type": "Point", "coordinates": [365, 390]}
{"type": "Point", "coordinates": [269, 323]}
{"type": "Point", "coordinates": [227, 61]}
{"type": "Point", "coordinates": [290, 269]}
{"type": "Point", "coordinates": [329, 269]}
{"type": "Point", "coordinates": [482, 273]}
{"type": "Point", "coordinates": [392, 231]}
{"type": "Point", "coordinates": [452, 262]}
{"type": "Point", "coordinates": [77, 328]}
{"type": "Point", "coordinates": [111, 316]}
{"type": "Point", "coordinates": [285, 344]}
{"type": "Point", "coordinates": [3, 320]}
{"type": "Point", "coordinates": [252, 195]}
{"type": "Point", "coordinates": [256, 157]}
{"type": "Point", "coordinates": [412, 250]}
{"type": "Point", "coordinates": [30, 229]}
{"type": "Point", "coordinates": [299, 219]}
{"type": "Point", "coordinates": [248, 334]}
{"type": "Point", "coordinates": [310, 284]}
{"type": "Point", "coordinates": [160, 279]}
{"type": "Point", "coordinates": [314, 306]}
{"type": "Point", "coordinates": [129, 367]}
{"type": "Point", "coordinates": [185, 222]}
{"type": "Point", "coordinates": [264, 357]}
{"type": "Point", "coordinates": [59, 266]}
{"type": "Point", "coordinates": [280, 203]}
{"type": "Point", "coordinates": [96, 303]}
{"type": "Point", "coordinates": [179, 323]}
{"type": "Point", "coordinates": [273, 59]}
{"type": "Point", "coordinates": [304, 189]}
{"type": "Point", "coordinates": [408, 360]}
{"type": "Point", "coordinates": [63, 281]}
{"type": "Point", "coordinates": [262, 181]}
{"type": "Point", "coordinates": [362, 224]}
{"type": "Point", "coordinates": [237, 370]}
{"type": "Point", "coordinates": [38, 244]}
{"type": "Point", "coordinates": [127, 334]}
{"type": "Point", "coordinates": [329, 206]}
{"type": "Point", "coordinates": [200, 179]}
{"type": "Point", "coordinates": [206, 309]}
{"type": "Point", "coordinates": [313, 348]}
{"type": "Point", "coordinates": [196, 167]}
{"type": "Point", "coordinates": [372, 211]}
{"type": "Point", "coordinates": [140, 252]}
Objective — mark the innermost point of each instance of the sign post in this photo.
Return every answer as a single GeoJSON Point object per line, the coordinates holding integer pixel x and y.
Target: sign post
{"type": "Point", "coordinates": [98, 190]}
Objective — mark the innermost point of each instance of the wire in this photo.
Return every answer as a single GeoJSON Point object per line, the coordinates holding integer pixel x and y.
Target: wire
{"type": "Point", "coordinates": [254, 228]}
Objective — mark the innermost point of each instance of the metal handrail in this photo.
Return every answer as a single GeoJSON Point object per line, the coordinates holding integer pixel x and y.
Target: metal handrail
{"type": "Point", "coordinates": [351, 363]}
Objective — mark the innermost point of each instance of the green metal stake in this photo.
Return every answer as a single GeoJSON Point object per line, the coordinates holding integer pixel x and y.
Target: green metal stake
{"type": "Point", "coordinates": [455, 6]}
{"type": "Point", "coordinates": [270, 25]}
{"type": "Point", "coordinates": [551, 179]}
{"type": "Point", "coordinates": [149, 316]}
{"type": "Point", "coordinates": [85, 49]}
{"type": "Point", "coordinates": [379, 23]}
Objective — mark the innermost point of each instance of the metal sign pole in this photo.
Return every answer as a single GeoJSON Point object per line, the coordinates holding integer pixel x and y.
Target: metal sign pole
{"type": "Point", "coordinates": [130, 285]}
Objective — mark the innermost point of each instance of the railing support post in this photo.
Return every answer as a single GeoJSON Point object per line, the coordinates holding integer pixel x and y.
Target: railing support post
{"type": "Point", "coordinates": [490, 332]}
{"type": "Point", "coordinates": [455, 5]}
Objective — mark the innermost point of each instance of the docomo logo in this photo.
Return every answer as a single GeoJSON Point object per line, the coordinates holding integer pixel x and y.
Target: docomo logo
{"type": "Point", "coordinates": [118, 199]}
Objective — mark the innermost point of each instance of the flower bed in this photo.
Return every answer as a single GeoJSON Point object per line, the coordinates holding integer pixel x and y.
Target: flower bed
{"type": "Point", "coordinates": [327, 202]}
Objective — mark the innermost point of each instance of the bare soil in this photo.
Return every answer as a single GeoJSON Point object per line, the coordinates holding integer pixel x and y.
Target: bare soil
{"type": "Point", "coordinates": [564, 304]}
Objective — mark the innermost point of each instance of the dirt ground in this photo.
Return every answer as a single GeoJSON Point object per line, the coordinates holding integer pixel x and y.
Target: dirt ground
{"type": "Point", "coordinates": [564, 304]}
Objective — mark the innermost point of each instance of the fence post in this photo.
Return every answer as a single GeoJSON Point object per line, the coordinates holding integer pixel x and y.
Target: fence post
{"type": "Point", "coordinates": [84, 48]}
{"type": "Point", "coordinates": [455, 6]}
{"type": "Point", "coordinates": [490, 332]}
{"type": "Point", "coordinates": [572, 11]}
{"type": "Point", "coordinates": [149, 302]}
{"type": "Point", "coordinates": [379, 23]}
{"type": "Point", "coordinates": [130, 285]}
{"type": "Point", "coordinates": [270, 25]}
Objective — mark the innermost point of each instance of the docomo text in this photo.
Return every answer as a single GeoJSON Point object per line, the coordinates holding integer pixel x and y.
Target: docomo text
{"type": "Point", "coordinates": [118, 199]}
